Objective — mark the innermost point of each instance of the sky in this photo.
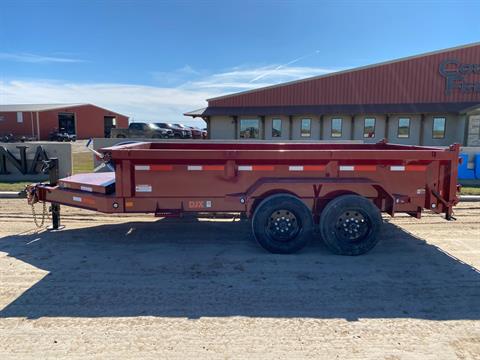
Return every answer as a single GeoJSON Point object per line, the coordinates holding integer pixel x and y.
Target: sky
{"type": "Point", "coordinates": [155, 60]}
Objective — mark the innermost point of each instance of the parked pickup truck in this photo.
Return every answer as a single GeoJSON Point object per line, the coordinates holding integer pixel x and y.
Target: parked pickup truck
{"type": "Point", "coordinates": [142, 130]}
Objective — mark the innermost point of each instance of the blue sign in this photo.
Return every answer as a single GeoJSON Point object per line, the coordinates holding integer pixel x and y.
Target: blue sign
{"type": "Point", "coordinates": [464, 173]}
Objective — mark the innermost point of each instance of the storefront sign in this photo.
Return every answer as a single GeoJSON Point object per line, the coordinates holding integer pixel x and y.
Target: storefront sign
{"type": "Point", "coordinates": [460, 77]}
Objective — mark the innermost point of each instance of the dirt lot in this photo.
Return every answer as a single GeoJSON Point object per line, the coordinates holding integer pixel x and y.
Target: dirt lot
{"type": "Point", "coordinates": [139, 287]}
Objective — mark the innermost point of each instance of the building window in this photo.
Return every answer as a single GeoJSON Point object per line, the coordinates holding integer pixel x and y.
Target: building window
{"type": "Point", "coordinates": [439, 127]}
{"type": "Point", "coordinates": [369, 128]}
{"type": "Point", "coordinates": [403, 128]}
{"type": "Point", "coordinates": [276, 128]}
{"type": "Point", "coordinates": [249, 129]}
{"type": "Point", "coordinates": [306, 128]}
{"type": "Point", "coordinates": [19, 117]}
{"type": "Point", "coordinates": [336, 128]}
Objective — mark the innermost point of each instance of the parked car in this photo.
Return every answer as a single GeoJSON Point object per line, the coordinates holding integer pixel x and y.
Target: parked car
{"type": "Point", "coordinates": [142, 130]}
{"type": "Point", "coordinates": [178, 132]}
{"type": "Point", "coordinates": [196, 132]}
{"type": "Point", "coordinates": [61, 135]}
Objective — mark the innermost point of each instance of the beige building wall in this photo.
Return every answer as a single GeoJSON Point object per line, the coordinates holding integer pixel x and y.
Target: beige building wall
{"type": "Point", "coordinates": [454, 130]}
{"type": "Point", "coordinates": [222, 127]}
{"type": "Point", "coordinates": [379, 128]}
{"type": "Point", "coordinates": [346, 127]}
{"type": "Point", "coordinates": [414, 135]}
{"type": "Point", "coordinates": [285, 128]}
{"type": "Point", "coordinates": [314, 130]}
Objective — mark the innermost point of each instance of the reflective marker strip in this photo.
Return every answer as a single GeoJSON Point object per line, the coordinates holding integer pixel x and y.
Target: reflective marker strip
{"type": "Point", "coordinates": [153, 167]}
{"type": "Point", "coordinates": [256, 168]}
{"type": "Point", "coordinates": [307, 168]}
{"type": "Point", "coordinates": [143, 188]}
{"type": "Point", "coordinates": [194, 168]}
{"type": "Point", "coordinates": [142, 167]}
{"type": "Point", "coordinates": [83, 200]}
{"type": "Point", "coordinates": [213, 167]}
{"type": "Point", "coordinates": [205, 167]}
{"type": "Point", "coordinates": [358, 168]}
{"type": "Point", "coordinates": [86, 188]}
{"type": "Point", "coordinates": [365, 168]}
{"type": "Point", "coordinates": [245, 168]}
{"type": "Point", "coordinates": [409, 168]}
{"type": "Point", "coordinates": [416, 167]}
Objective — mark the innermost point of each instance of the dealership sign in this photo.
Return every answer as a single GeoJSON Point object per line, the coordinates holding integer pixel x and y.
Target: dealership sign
{"type": "Point", "coordinates": [458, 76]}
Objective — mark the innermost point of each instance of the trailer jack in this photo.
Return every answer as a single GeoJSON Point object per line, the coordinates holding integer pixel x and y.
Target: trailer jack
{"type": "Point", "coordinates": [49, 167]}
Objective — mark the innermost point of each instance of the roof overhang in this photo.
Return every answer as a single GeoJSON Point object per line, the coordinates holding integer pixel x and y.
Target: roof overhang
{"type": "Point", "coordinates": [336, 109]}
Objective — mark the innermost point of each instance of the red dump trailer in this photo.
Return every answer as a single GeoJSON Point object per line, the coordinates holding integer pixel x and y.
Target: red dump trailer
{"type": "Point", "coordinates": [286, 189]}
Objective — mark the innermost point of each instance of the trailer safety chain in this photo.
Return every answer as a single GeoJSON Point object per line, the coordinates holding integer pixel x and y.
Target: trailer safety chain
{"type": "Point", "coordinates": [43, 216]}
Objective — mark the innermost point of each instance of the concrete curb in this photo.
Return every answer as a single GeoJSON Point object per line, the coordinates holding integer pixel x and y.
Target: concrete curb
{"type": "Point", "coordinates": [10, 194]}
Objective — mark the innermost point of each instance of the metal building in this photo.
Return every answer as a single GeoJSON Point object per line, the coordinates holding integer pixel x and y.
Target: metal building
{"type": "Point", "coordinates": [39, 120]}
{"type": "Point", "coordinates": [428, 99]}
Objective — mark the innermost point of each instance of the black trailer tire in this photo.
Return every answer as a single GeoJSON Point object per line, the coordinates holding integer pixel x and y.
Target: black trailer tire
{"type": "Point", "coordinates": [282, 224]}
{"type": "Point", "coordinates": [349, 225]}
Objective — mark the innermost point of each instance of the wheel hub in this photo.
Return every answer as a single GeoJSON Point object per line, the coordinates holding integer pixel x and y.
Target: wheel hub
{"type": "Point", "coordinates": [352, 225]}
{"type": "Point", "coordinates": [282, 225]}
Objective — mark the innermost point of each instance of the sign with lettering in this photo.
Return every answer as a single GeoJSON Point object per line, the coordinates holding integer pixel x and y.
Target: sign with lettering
{"type": "Point", "coordinates": [460, 76]}
{"type": "Point", "coordinates": [23, 161]}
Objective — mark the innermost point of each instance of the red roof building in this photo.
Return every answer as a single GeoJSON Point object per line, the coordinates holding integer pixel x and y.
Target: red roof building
{"type": "Point", "coordinates": [430, 99]}
{"type": "Point", "coordinates": [40, 120]}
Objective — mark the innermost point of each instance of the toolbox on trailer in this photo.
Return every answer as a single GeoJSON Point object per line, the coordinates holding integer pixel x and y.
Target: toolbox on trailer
{"type": "Point", "coordinates": [285, 188]}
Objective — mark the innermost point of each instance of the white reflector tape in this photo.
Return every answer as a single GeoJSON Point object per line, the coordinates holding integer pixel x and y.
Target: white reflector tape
{"type": "Point", "coordinates": [194, 168]}
{"type": "Point", "coordinates": [245, 168]}
{"type": "Point", "coordinates": [347, 168]}
{"type": "Point", "coordinates": [86, 188]}
{"type": "Point", "coordinates": [295, 168]}
{"type": "Point", "coordinates": [397, 168]}
{"type": "Point", "coordinates": [142, 167]}
{"type": "Point", "coordinates": [143, 188]}
{"type": "Point", "coordinates": [77, 199]}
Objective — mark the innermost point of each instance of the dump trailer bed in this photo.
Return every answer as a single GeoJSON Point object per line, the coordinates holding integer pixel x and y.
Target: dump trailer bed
{"type": "Point", "coordinates": [303, 181]}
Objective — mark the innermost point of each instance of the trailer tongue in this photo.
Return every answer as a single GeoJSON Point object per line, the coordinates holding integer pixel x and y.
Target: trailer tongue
{"type": "Point", "coordinates": [285, 188]}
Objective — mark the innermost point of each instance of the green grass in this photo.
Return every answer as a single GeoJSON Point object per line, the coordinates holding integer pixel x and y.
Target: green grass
{"type": "Point", "coordinates": [470, 190]}
{"type": "Point", "coordinates": [82, 163]}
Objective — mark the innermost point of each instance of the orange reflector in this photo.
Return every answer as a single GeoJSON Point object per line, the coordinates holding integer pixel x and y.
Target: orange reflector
{"type": "Point", "coordinates": [365, 168]}
{"type": "Point", "coordinates": [129, 204]}
{"type": "Point", "coordinates": [161, 167]}
{"type": "Point", "coordinates": [88, 201]}
{"type": "Point", "coordinates": [314, 167]}
{"type": "Point", "coordinates": [416, 167]}
{"type": "Point", "coordinates": [263, 167]}
{"type": "Point", "coordinates": [213, 167]}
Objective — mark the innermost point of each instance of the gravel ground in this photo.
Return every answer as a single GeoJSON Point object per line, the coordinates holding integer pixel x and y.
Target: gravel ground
{"type": "Point", "coordinates": [140, 287]}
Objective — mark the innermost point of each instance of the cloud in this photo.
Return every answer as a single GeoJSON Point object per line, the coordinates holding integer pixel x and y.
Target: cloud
{"type": "Point", "coordinates": [37, 59]}
{"type": "Point", "coordinates": [152, 103]}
